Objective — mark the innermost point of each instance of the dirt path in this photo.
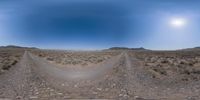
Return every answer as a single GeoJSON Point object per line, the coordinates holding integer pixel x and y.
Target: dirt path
{"type": "Point", "coordinates": [34, 78]}
{"type": "Point", "coordinates": [46, 69]}
{"type": "Point", "coordinates": [14, 84]}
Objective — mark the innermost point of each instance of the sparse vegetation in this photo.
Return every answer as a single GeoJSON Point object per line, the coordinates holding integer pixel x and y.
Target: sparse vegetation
{"type": "Point", "coordinates": [180, 65]}
{"type": "Point", "coordinates": [9, 57]}
{"type": "Point", "coordinates": [134, 72]}
{"type": "Point", "coordinates": [75, 58]}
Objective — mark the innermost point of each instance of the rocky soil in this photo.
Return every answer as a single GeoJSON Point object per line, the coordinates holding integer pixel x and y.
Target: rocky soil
{"type": "Point", "coordinates": [132, 75]}
{"type": "Point", "coordinates": [179, 67]}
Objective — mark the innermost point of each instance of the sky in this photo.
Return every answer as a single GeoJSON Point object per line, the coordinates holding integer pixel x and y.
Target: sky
{"type": "Point", "coordinates": [100, 24]}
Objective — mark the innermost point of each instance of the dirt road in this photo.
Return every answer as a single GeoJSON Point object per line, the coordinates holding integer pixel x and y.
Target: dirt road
{"type": "Point", "coordinates": [120, 77]}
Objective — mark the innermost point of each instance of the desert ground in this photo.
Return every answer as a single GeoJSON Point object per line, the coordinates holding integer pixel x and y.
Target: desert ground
{"type": "Point", "coordinates": [111, 74]}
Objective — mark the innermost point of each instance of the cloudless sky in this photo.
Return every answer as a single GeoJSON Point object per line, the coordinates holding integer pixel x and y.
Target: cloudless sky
{"type": "Point", "coordinates": [99, 24]}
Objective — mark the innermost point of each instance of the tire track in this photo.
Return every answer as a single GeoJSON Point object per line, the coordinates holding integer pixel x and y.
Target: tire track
{"type": "Point", "coordinates": [44, 67]}
{"type": "Point", "coordinates": [14, 84]}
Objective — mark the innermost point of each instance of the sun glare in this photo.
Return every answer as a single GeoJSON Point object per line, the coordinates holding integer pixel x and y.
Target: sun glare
{"type": "Point", "coordinates": [178, 22]}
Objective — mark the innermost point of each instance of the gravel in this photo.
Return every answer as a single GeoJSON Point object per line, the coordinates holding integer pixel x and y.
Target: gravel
{"type": "Point", "coordinates": [126, 79]}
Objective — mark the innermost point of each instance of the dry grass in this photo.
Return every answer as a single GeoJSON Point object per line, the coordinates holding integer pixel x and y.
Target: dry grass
{"type": "Point", "coordinates": [182, 66]}
{"type": "Point", "coordinates": [9, 57]}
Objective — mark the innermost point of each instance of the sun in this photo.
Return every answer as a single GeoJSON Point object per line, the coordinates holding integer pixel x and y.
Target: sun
{"type": "Point", "coordinates": [178, 22]}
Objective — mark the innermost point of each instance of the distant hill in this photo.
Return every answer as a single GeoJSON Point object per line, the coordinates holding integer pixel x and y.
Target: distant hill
{"type": "Point", "coordinates": [17, 47]}
{"type": "Point", "coordinates": [125, 48]}
{"type": "Point", "coordinates": [119, 48]}
{"type": "Point", "coordinates": [11, 46]}
{"type": "Point", "coordinates": [197, 47]}
{"type": "Point", "coordinates": [141, 48]}
{"type": "Point", "coordinates": [190, 49]}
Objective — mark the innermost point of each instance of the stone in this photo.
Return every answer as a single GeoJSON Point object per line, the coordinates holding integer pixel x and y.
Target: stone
{"type": "Point", "coordinates": [99, 89]}
{"type": "Point", "coordinates": [19, 97]}
{"type": "Point", "coordinates": [33, 97]}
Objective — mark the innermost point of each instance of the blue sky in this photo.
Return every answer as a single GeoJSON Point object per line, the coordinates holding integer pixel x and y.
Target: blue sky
{"type": "Point", "coordinates": [99, 24]}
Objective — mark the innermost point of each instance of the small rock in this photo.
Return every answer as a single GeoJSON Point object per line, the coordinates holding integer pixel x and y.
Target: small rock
{"type": "Point", "coordinates": [123, 90]}
{"type": "Point", "coordinates": [120, 95]}
{"type": "Point", "coordinates": [113, 85]}
{"type": "Point", "coordinates": [99, 89]}
{"type": "Point", "coordinates": [125, 95]}
{"type": "Point", "coordinates": [75, 86]}
{"type": "Point", "coordinates": [94, 93]}
{"type": "Point", "coordinates": [106, 89]}
{"type": "Point", "coordinates": [51, 90]}
{"type": "Point", "coordinates": [19, 97]}
{"type": "Point", "coordinates": [60, 93]}
{"type": "Point", "coordinates": [190, 98]}
{"type": "Point", "coordinates": [63, 84]}
{"type": "Point", "coordinates": [136, 96]}
{"type": "Point", "coordinates": [66, 97]}
{"type": "Point", "coordinates": [33, 97]}
{"type": "Point", "coordinates": [37, 93]}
